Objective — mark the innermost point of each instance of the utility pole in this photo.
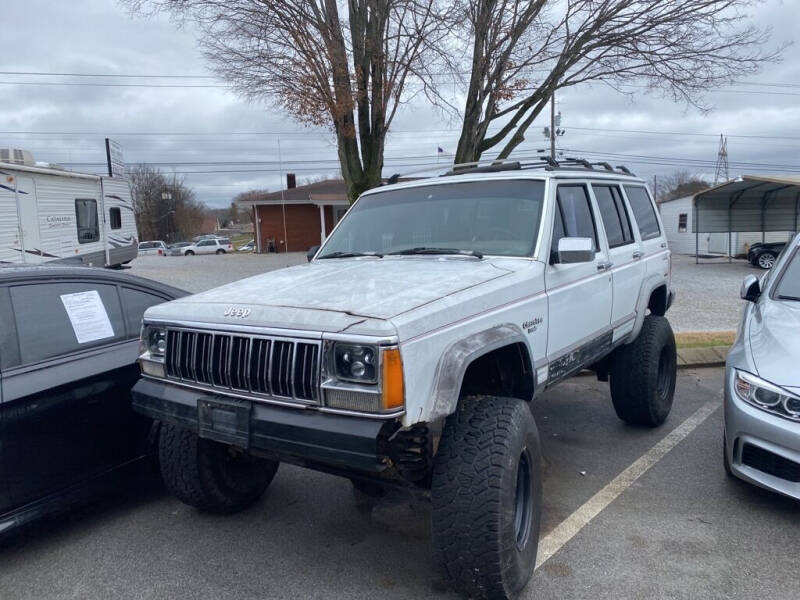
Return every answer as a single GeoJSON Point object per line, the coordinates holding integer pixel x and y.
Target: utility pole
{"type": "Point", "coordinates": [283, 202]}
{"type": "Point", "coordinates": [554, 130]}
{"type": "Point", "coordinates": [553, 126]}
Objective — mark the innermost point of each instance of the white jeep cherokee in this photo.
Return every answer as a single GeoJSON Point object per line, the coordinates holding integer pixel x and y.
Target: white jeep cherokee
{"type": "Point", "coordinates": [409, 349]}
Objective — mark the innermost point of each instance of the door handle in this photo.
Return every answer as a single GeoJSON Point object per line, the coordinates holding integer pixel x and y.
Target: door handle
{"type": "Point", "coordinates": [602, 266]}
{"type": "Point", "coordinates": [637, 255]}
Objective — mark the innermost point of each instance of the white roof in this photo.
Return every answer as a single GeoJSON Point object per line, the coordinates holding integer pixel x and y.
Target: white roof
{"type": "Point", "coordinates": [46, 171]}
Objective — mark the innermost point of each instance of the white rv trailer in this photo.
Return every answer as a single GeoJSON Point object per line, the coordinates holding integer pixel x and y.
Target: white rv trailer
{"type": "Point", "coordinates": [48, 214]}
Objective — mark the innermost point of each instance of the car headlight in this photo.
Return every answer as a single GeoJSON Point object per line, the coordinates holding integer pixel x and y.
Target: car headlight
{"type": "Point", "coordinates": [355, 362]}
{"type": "Point", "coordinates": [363, 378]}
{"type": "Point", "coordinates": [766, 396]}
{"type": "Point", "coordinates": [153, 340]}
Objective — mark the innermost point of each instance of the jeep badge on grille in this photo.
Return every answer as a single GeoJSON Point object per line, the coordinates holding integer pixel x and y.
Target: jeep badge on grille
{"type": "Point", "coordinates": [237, 312]}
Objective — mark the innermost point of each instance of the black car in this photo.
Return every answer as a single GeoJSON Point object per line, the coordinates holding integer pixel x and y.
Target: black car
{"type": "Point", "coordinates": [764, 255]}
{"type": "Point", "coordinates": [68, 348]}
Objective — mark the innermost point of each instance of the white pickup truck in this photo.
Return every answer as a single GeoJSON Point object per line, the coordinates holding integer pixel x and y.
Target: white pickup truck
{"type": "Point", "coordinates": [408, 350]}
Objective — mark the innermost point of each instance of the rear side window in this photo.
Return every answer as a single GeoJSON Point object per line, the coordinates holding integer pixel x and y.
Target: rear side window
{"type": "Point", "coordinates": [44, 328]}
{"type": "Point", "coordinates": [86, 220]}
{"type": "Point", "coordinates": [643, 211]}
{"type": "Point", "coordinates": [136, 302]}
{"type": "Point", "coordinates": [115, 217]}
{"type": "Point", "coordinates": [224, 242]}
{"type": "Point", "coordinates": [573, 215]}
{"type": "Point", "coordinates": [614, 214]}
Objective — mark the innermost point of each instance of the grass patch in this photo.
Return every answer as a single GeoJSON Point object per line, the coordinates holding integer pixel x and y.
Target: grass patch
{"type": "Point", "coordinates": [704, 339]}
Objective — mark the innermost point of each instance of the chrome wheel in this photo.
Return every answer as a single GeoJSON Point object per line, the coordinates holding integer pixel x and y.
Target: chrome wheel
{"type": "Point", "coordinates": [766, 260]}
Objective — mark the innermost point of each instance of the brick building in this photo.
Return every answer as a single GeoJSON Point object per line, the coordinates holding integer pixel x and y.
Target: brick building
{"type": "Point", "coordinates": [299, 217]}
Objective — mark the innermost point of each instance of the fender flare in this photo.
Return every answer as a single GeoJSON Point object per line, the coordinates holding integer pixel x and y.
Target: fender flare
{"type": "Point", "coordinates": [648, 287]}
{"type": "Point", "coordinates": [459, 355]}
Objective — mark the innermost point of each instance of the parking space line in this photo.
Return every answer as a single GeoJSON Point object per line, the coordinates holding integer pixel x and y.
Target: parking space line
{"type": "Point", "coordinates": [569, 528]}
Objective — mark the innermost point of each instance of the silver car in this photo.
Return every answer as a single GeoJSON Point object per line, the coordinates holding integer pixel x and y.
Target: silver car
{"type": "Point", "coordinates": [762, 380]}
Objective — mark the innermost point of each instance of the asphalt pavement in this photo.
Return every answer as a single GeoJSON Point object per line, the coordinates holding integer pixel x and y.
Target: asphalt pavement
{"type": "Point", "coordinates": [681, 529]}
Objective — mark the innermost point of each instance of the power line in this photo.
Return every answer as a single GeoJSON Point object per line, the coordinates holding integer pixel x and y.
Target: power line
{"type": "Point", "coordinates": [192, 76]}
{"type": "Point", "coordinates": [117, 75]}
{"type": "Point", "coordinates": [200, 133]}
{"type": "Point", "coordinates": [229, 86]}
{"type": "Point", "coordinates": [685, 133]}
{"type": "Point", "coordinates": [392, 131]}
{"type": "Point", "coordinates": [98, 84]}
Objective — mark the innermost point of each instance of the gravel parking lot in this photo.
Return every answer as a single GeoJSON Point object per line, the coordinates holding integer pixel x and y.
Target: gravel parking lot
{"type": "Point", "coordinates": [681, 530]}
{"type": "Point", "coordinates": [707, 294]}
{"type": "Point", "coordinates": [200, 273]}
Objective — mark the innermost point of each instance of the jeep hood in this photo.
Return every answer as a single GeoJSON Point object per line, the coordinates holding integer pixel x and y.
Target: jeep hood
{"type": "Point", "coordinates": [358, 295]}
{"type": "Point", "coordinates": [775, 342]}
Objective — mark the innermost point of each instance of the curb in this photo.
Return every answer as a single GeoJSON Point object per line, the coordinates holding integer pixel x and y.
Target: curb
{"type": "Point", "coordinates": [713, 356]}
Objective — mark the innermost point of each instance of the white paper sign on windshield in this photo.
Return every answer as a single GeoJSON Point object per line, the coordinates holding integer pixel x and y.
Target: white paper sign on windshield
{"type": "Point", "coordinates": [88, 316]}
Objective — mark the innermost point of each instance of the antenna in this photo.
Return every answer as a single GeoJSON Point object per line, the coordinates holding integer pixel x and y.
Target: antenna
{"type": "Point", "coordinates": [722, 160]}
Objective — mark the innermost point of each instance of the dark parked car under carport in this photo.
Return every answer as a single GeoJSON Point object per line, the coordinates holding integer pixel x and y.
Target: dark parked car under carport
{"type": "Point", "coordinates": [68, 348]}
{"type": "Point", "coordinates": [764, 255]}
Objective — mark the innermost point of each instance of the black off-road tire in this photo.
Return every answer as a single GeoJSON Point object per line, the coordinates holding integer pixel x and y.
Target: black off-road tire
{"type": "Point", "coordinates": [220, 251]}
{"type": "Point", "coordinates": [643, 375]}
{"type": "Point", "coordinates": [486, 497]}
{"type": "Point", "coordinates": [188, 253]}
{"type": "Point", "coordinates": [208, 475]}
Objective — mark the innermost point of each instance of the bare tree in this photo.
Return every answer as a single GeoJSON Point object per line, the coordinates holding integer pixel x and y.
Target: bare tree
{"type": "Point", "coordinates": [680, 184]}
{"type": "Point", "coordinates": [522, 51]}
{"type": "Point", "coordinates": [326, 62]}
{"type": "Point", "coordinates": [165, 208]}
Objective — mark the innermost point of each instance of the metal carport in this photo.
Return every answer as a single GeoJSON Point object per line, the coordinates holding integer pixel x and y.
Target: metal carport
{"type": "Point", "coordinates": [749, 203]}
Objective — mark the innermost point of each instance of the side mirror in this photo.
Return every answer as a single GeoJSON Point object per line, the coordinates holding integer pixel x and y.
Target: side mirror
{"type": "Point", "coordinates": [311, 252]}
{"type": "Point", "coordinates": [575, 250]}
{"type": "Point", "coordinates": [750, 289]}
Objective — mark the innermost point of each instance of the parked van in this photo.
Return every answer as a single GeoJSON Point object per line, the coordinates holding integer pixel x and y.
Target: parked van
{"type": "Point", "coordinates": [48, 214]}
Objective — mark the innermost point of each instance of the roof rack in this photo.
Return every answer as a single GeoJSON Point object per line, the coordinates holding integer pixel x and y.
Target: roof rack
{"type": "Point", "coordinates": [544, 162]}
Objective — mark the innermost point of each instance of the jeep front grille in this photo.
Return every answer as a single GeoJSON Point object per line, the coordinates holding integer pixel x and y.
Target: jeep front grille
{"type": "Point", "coordinates": [262, 366]}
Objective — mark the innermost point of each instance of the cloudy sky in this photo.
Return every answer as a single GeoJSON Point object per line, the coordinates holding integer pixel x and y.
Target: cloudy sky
{"type": "Point", "coordinates": [66, 123]}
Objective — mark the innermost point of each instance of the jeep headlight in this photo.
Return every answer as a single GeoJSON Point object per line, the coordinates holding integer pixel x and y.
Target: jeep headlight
{"type": "Point", "coordinates": [152, 348]}
{"type": "Point", "coordinates": [362, 377]}
{"type": "Point", "coordinates": [153, 340]}
{"type": "Point", "coordinates": [766, 396]}
{"type": "Point", "coordinates": [355, 362]}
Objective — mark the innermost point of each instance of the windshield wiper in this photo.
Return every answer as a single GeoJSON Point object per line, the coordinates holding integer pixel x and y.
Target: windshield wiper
{"type": "Point", "coordinates": [341, 254]}
{"type": "Point", "coordinates": [784, 297]}
{"type": "Point", "coordinates": [428, 250]}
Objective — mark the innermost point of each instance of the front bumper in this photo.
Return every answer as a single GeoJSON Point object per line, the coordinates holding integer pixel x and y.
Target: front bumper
{"type": "Point", "coordinates": [301, 436]}
{"type": "Point", "coordinates": [762, 448]}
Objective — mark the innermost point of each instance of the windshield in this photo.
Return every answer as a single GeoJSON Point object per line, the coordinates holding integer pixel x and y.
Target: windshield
{"type": "Point", "coordinates": [789, 284]}
{"type": "Point", "coordinates": [492, 217]}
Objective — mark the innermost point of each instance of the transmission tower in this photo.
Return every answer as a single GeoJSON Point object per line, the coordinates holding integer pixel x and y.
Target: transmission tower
{"type": "Point", "coordinates": [722, 160]}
